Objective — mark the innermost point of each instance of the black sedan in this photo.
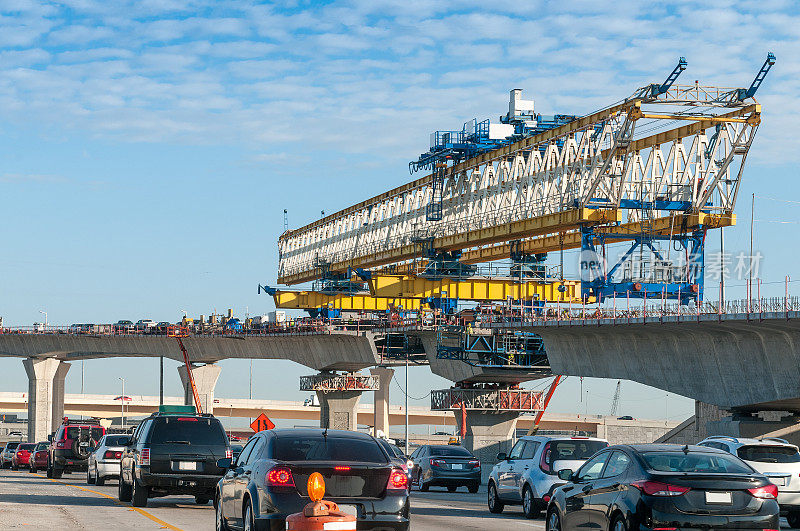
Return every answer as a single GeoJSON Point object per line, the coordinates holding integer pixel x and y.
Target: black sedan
{"type": "Point", "coordinates": [663, 487]}
{"type": "Point", "coordinates": [269, 480]}
{"type": "Point", "coordinates": [448, 466]}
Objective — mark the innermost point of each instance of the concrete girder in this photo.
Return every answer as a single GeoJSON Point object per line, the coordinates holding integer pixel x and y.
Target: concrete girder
{"type": "Point", "coordinates": [340, 351]}
{"type": "Point", "coordinates": [749, 365]}
{"type": "Point", "coordinates": [381, 399]}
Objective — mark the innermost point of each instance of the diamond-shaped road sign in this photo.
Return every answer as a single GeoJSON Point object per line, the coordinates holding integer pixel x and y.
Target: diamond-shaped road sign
{"type": "Point", "coordinates": [262, 423]}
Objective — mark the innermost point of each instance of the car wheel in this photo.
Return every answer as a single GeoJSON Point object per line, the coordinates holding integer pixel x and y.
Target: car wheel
{"type": "Point", "coordinates": [794, 519]}
{"type": "Point", "coordinates": [201, 500]}
{"type": "Point", "coordinates": [14, 466]}
{"type": "Point", "coordinates": [474, 488]}
{"type": "Point", "coordinates": [451, 489]}
{"type": "Point", "coordinates": [33, 468]}
{"type": "Point", "coordinates": [57, 472]}
{"type": "Point", "coordinates": [249, 521]}
{"type": "Point", "coordinates": [529, 507]}
{"type": "Point", "coordinates": [89, 479]}
{"type": "Point", "coordinates": [220, 517]}
{"type": "Point", "coordinates": [49, 471]}
{"type": "Point", "coordinates": [553, 521]}
{"type": "Point", "coordinates": [495, 505]}
{"type": "Point", "coordinates": [98, 479]}
{"type": "Point", "coordinates": [124, 491]}
{"type": "Point", "coordinates": [139, 494]}
{"type": "Point", "coordinates": [618, 524]}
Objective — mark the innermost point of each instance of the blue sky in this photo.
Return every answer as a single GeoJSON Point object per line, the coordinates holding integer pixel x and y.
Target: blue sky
{"type": "Point", "coordinates": [149, 148]}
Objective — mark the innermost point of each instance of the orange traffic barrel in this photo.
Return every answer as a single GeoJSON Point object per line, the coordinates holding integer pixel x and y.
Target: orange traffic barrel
{"type": "Point", "coordinates": [319, 515]}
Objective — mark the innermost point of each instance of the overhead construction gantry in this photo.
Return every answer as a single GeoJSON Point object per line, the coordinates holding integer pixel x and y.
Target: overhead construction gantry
{"type": "Point", "coordinates": [663, 165]}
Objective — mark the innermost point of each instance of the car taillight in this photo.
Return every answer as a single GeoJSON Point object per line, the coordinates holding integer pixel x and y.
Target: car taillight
{"type": "Point", "coordinates": [437, 462]}
{"type": "Point", "coordinates": [280, 476]}
{"type": "Point", "coordinates": [144, 457]}
{"type": "Point", "coordinates": [543, 464]}
{"type": "Point", "coordinates": [111, 454]}
{"type": "Point", "coordinates": [475, 464]}
{"type": "Point", "coordinates": [341, 468]}
{"type": "Point", "coordinates": [767, 492]}
{"type": "Point", "coordinates": [657, 488]}
{"type": "Point", "coordinates": [398, 480]}
{"type": "Point", "coordinates": [229, 454]}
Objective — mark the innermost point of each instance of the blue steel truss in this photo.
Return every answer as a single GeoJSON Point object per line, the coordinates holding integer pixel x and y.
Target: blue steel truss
{"type": "Point", "coordinates": [522, 350]}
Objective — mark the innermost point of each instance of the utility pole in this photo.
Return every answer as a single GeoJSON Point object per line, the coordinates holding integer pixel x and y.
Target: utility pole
{"type": "Point", "coordinates": [406, 393]}
{"type": "Point", "coordinates": [122, 399]}
{"type": "Point", "coordinates": [750, 269]}
{"type": "Point", "coordinates": [722, 257]}
{"type": "Point", "coordinates": [161, 381]}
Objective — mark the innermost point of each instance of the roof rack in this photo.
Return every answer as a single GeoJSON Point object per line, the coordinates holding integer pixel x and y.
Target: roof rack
{"type": "Point", "coordinates": [66, 421]}
{"type": "Point", "coordinates": [726, 437]}
{"type": "Point", "coordinates": [776, 439]}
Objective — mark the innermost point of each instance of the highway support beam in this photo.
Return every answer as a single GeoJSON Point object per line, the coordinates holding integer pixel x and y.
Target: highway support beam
{"type": "Point", "coordinates": [339, 409]}
{"type": "Point", "coordinates": [381, 400]}
{"type": "Point", "coordinates": [45, 396]}
{"type": "Point", "coordinates": [205, 379]}
{"type": "Point", "coordinates": [487, 434]}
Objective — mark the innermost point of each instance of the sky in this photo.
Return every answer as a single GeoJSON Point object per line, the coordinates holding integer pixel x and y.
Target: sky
{"type": "Point", "coordinates": [148, 149]}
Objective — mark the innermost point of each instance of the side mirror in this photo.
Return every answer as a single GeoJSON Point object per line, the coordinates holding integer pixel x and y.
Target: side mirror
{"type": "Point", "coordinates": [224, 463]}
{"type": "Point", "coordinates": [565, 474]}
{"type": "Point", "coordinates": [50, 438]}
{"type": "Point", "coordinates": [502, 456]}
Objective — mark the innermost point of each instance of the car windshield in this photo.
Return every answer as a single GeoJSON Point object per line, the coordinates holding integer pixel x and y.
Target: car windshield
{"type": "Point", "coordinates": [12, 446]}
{"type": "Point", "coordinates": [695, 462]}
{"type": "Point", "coordinates": [188, 430]}
{"type": "Point", "coordinates": [573, 450]}
{"type": "Point", "coordinates": [312, 448]}
{"type": "Point", "coordinates": [455, 451]}
{"type": "Point", "coordinates": [41, 446]}
{"type": "Point", "coordinates": [393, 450]}
{"type": "Point", "coordinates": [769, 454]}
{"type": "Point", "coordinates": [117, 440]}
{"type": "Point", "coordinates": [27, 446]}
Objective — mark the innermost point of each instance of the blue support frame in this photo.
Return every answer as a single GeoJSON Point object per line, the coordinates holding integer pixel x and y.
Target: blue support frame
{"type": "Point", "coordinates": [596, 282]}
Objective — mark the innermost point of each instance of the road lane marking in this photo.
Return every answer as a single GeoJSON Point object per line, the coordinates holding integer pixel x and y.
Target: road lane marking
{"type": "Point", "coordinates": [162, 523]}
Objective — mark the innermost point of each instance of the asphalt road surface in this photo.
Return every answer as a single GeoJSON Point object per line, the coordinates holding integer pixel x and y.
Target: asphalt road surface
{"type": "Point", "coordinates": [31, 501]}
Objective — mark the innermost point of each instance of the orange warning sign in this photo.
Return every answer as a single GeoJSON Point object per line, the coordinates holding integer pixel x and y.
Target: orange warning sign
{"type": "Point", "coordinates": [262, 423]}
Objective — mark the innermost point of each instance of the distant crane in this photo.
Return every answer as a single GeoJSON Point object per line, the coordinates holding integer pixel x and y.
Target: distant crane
{"type": "Point", "coordinates": [615, 401]}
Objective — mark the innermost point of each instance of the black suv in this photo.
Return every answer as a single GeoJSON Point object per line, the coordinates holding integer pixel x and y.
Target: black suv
{"type": "Point", "coordinates": [70, 446]}
{"type": "Point", "coordinates": [173, 453]}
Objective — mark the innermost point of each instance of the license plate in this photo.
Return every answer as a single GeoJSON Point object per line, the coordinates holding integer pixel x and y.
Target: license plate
{"type": "Point", "coordinates": [719, 497]}
{"type": "Point", "coordinates": [349, 509]}
{"type": "Point", "coordinates": [187, 465]}
{"type": "Point", "coordinates": [458, 467]}
{"type": "Point", "coordinates": [778, 480]}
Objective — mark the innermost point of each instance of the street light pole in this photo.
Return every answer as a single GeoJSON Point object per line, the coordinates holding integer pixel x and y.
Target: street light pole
{"type": "Point", "coordinates": [45, 318]}
{"type": "Point", "coordinates": [406, 393]}
{"type": "Point", "coordinates": [122, 399]}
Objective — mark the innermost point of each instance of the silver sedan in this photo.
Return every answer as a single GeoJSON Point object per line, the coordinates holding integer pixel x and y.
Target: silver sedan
{"type": "Point", "coordinates": [104, 459]}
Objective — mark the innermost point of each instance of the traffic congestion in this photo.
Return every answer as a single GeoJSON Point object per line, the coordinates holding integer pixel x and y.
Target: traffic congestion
{"type": "Point", "coordinates": [554, 482]}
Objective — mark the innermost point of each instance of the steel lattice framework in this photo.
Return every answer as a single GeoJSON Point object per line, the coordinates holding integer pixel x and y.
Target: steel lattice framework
{"type": "Point", "coordinates": [644, 159]}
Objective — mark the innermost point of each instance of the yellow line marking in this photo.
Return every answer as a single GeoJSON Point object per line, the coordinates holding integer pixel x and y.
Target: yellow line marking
{"type": "Point", "coordinates": [162, 523]}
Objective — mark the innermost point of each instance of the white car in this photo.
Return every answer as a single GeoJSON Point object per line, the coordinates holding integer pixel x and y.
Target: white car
{"type": "Point", "coordinates": [143, 325]}
{"type": "Point", "coordinates": [104, 459]}
{"type": "Point", "coordinates": [8, 453]}
{"type": "Point", "coordinates": [529, 474]}
{"type": "Point", "coordinates": [777, 459]}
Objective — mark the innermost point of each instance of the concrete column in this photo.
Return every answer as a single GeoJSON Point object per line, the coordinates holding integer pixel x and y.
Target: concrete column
{"type": "Point", "coordinates": [488, 434]}
{"type": "Point", "coordinates": [205, 379]}
{"type": "Point", "coordinates": [339, 409]}
{"type": "Point", "coordinates": [381, 399]}
{"type": "Point", "coordinates": [45, 396]}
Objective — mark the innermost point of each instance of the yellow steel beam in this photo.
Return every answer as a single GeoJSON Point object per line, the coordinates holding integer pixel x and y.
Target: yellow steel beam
{"type": "Point", "coordinates": [309, 300]}
{"type": "Point", "coordinates": [473, 289]}
{"type": "Point", "coordinates": [572, 240]}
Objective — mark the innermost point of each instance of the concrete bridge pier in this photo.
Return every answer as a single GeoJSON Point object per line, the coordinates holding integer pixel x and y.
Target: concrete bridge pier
{"type": "Point", "coordinates": [381, 419]}
{"type": "Point", "coordinates": [45, 395]}
{"type": "Point", "coordinates": [205, 379]}
{"type": "Point", "coordinates": [339, 409]}
{"type": "Point", "coordinates": [488, 434]}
